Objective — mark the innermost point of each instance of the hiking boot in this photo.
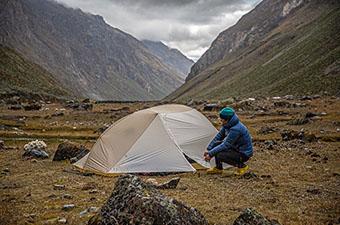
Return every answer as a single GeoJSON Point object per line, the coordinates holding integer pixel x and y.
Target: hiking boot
{"type": "Point", "coordinates": [241, 171]}
{"type": "Point", "coordinates": [214, 170]}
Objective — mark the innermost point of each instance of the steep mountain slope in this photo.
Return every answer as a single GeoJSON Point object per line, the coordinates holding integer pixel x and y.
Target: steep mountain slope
{"type": "Point", "coordinates": [170, 56]}
{"type": "Point", "coordinates": [281, 47]}
{"type": "Point", "coordinates": [17, 75]}
{"type": "Point", "coordinates": [84, 53]}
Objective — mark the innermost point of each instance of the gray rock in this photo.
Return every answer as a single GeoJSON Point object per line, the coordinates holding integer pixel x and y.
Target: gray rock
{"type": "Point", "coordinates": [68, 150]}
{"type": "Point", "coordinates": [211, 107]}
{"type": "Point", "coordinates": [83, 213]}
{"type": "Point", "coordinates": [93, 191]}
{"type": "Point", "coordinates": [62, 221]}
{"type": "Point", "coordinates": [2, 145]}
{"type": "Point", "coordinates": [92, 209]}
{"type": "Point", "coordinates": [51, 221]}
{"type": "Point", "coordinates": [73, 160]}
{"type": "Point", "coordinates": [68, 207]}
{"type": "Point", "coordinates": [59, 187]}
{"type": "Point", "coordinates": [15, 107]}
{"type": "Point", "coordinates": [36, 154]}
{"type": "Point", "coordinates": [67, 196]}
{"type": "Point", "coordinates": [288, 135]}
{"type": "Point", "coordinates": [136, 202]}
{"type": "Point", "coordinates": [171, 184]}
{"type": "Point", "coordinates": [250, 217]}
{"type": "Point", "coordinates": [35, 149]}
{"type": "Point", "coordinates": [57, 114]}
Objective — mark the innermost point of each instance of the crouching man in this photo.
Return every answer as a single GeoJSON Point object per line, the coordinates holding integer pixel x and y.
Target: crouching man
{"type": "Point", "coordinates": [231, 145]}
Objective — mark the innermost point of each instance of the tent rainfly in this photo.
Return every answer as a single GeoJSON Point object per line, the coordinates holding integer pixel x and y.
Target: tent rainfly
{"type": "Point", "coordinates": [152, 140]}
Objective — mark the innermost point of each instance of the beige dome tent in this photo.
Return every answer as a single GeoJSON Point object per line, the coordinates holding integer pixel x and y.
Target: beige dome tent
{"type": "Point", "coordinates": [152, 140]}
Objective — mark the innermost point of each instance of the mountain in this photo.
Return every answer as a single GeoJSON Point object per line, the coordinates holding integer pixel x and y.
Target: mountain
{"type": "Point", "coordinates": [280, 47]}
{"type": "Point", "coordinates": [18, 75]}
{"type": "Point", "coordinates": [170, 57]}
{"type": "Point", "coordinates": [83, 53]}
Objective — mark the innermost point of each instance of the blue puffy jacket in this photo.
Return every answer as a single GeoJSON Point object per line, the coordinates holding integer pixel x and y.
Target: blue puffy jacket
{"type": "Point", "coordinates": [233, 135]}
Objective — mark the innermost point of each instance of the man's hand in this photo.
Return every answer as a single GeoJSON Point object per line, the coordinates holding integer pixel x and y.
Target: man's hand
{"type": "Point", "coordinates": [206, 156]}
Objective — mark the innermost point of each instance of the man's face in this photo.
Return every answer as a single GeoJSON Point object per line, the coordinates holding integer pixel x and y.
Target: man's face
{"type": "Point", "coordinates": [224, 122]}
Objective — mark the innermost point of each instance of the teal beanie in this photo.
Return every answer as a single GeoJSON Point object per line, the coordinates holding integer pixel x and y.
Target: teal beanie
{"type": "Point", "coordinates": [226, 113]}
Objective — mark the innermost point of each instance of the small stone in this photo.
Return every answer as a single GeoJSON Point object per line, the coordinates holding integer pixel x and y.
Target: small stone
{"type": "Point", "coordinates": [51, 221]}
{"type": "Point", "coordinates": [251, 217]}
{"type": "Point", "coordinates": [34, 161]}
{"type": "Point", "coordinates": [171, 184]}
{"type": "Point", "coordinates": [89, 186]}
{"type": "Point", "coordinates": [62, 220]}
{"type": "Point", "coordinates": [83, 213]}
{"type": "Point", "coordinates": [52, 196]}
{"type": "Point", "coordinates": [59, 187]}
{"type": "Point", "coordinates": [249, 175]}
{"type": "Point", "coordinates": [152, 181]}
{"type": "Point", "coordinates": [2, 145]}
{"type": "Point", "coordinates": [93, 191]}
{"type": "Point", "coordinates": [73, 159]}
{"type": "Point", "coordinates": [67, 196]}
{"type": "Point", "coordinates": [30, 215]}
{"type": "Point", "coordinates": [93, 209]}
{"type": "Point", "coordinates": [6, 170]}
{"type": "Point", "coordinates": [314, 191]}
{"type": "Point", "coordinates": [68, 207]}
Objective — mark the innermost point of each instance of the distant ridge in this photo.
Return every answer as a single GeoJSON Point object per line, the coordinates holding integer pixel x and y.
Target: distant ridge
{"type": "Point", "coordinates": [83, 53]}
{"type": "Point", "coordinates": [170, 56]}
{"type": "Point", "coordinates": [281, 47]}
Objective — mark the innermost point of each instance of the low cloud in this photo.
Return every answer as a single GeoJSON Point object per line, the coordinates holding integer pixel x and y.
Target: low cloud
{"type": "Point", "coordinates": [188, 25]}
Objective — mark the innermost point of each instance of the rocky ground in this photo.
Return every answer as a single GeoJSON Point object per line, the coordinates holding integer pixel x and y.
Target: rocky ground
{"type": "Point", "coordinates": [295, 172]}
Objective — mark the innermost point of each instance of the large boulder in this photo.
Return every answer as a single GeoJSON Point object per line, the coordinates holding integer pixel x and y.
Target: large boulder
{"type": "Point", "coordinates": [250, 217]}
{"type": "Point", "coordinates": [68, 150]}
{"type": "Point", "coordinates": [136, 202]}
{"type": "Point", "coordinates": [35, 149]}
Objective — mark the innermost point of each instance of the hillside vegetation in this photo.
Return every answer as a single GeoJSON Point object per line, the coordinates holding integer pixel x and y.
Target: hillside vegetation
{"type": "Point", "coordinates": [18, 75]}
{"type": "Point", "coordinates": [300, 56]}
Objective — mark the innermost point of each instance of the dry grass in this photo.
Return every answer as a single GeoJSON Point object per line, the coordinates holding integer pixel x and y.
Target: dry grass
{"type": "Point", "coordinates": [283, 189]}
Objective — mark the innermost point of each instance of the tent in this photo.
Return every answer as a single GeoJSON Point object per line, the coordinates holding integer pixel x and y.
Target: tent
{"type": "Point", "coordinates": [152, 140]}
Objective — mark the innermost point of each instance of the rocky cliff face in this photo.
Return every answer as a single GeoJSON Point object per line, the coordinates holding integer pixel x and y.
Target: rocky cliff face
{"type": "Point", "coordinates": [250, 29]}
{"type": "Point", "coordinates": [171, 57]}
{"type": "Point", "coordinates": [279, 48]}
{"type": "Point", "coordinates": [84, 53]}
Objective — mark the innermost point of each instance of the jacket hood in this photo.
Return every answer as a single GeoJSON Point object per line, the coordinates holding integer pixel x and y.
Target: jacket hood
{"type": "Point", "coordinates": [232, 122]}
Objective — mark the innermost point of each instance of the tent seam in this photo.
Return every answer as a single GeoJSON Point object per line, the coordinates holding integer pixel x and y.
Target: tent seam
{"type": "Point", "coordinates": [173, 140]}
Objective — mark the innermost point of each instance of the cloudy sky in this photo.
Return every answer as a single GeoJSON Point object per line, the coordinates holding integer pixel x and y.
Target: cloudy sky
{"type": "Point", "coordinates": [188, 25]}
